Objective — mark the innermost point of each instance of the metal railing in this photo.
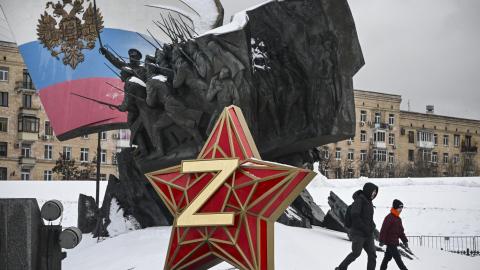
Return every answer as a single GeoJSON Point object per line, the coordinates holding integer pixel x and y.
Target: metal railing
{"type": "Point", "coordinates": [466, 245]}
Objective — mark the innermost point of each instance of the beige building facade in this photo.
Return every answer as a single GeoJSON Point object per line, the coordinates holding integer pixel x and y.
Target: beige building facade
{"type": "Point", "coordinates": [390, 142]}
{"type": "Point", "coordinates": [28, 146]}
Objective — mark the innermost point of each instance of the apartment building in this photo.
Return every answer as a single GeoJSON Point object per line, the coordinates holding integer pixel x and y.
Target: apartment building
{"type": "Point", "coordinates": [28, 146]}
{"type": "Point", "coordinates": [390, 142]}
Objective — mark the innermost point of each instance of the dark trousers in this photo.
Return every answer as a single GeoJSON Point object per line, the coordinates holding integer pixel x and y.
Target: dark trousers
{"type": "Point", "coordinates": [392, 252]}
{"type": "Point", "coordinates": [359, 243]}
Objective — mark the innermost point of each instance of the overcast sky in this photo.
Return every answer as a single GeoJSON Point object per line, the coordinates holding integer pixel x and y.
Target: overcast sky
{"type": "Point", "coordinates": [428, 51]}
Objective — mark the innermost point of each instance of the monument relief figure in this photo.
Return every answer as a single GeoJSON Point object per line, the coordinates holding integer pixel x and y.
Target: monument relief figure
{"type": "Point", "coordinates": [224, 90]}
{"type": "Point", "coordinates": [184, 74]}
{"type": "Point", "coordinates": [135, 57]}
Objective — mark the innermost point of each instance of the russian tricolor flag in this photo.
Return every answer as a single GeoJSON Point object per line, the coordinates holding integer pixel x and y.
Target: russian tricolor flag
{"type": "Point", "coordinates": [69, 114]}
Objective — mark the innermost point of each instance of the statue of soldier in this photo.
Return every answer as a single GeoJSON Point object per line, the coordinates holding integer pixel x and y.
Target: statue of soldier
{"type": "Point", "coordinates": [134, 93]}
{"type": "Point", "coordinates": [135, 57]}
{"type": "Point", "coordinates": [156, 65]}
{"type": "Point", "coordinates": [201, 62]}
{"type": "Point", "coordinates": [223, 88]}
{"type": "Point", "coordinates": [184, 73]}
{"type": "Point", "coordinates": [175, 112]}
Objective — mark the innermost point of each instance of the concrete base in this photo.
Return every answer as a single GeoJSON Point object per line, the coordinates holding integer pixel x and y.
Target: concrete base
{"type": "Point", "coordinates": [20, 225]}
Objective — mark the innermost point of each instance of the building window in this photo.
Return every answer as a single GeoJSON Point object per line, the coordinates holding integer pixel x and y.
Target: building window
{"type": "Point", "coordinates": [391, 138]}
{"type": "Point", "coordinates": [326, 154]}
{"type": "Point", "coordinates": [3, 99]}
{"type": "Point", "coordinates": [445, 140]}
{"type": "Point", "coordinates": [25, 174]}
{"type": "Point", "coordinates": [84, 154]}
{"type": "Point", "coordinates": [363, 155]}
{"type": "Point", "coordinates": [338, 155]}
{"type": "Point", "coordinates": [4, 74]}
{"type": "Point", "coordinates": [27, 80]}
{"type": "Point", "coordinates": [114, 158]}
{"type": "Point", "coordinates": [445, 157]}
{"type": "Point", "coordinates": [363, 116]}
{"type": "Point", "coordinates": [3, 124]}
{"type": "Point", "coordinates": [28, 124]}
{"type": "Point", "coordinates": [3, 149]}
{"type": "Point", "coordinates": [48, 128]}
{"type": "Point", "coordinates": [103, 135]}
{"type": "Point", "coordinates": [456, 140]}
{"type": "Point", "coordinates": [426, 156]}
{"type": "Point", "coordinates": [378, 117]}
{"type": "Point", "coordinates": [434, 157]}
{"type": "Point", "coordinates": [47, 175]}
{"type": "Point", "coordinates": [363, 135]}
{"type": "Point", "coordinates": [380, 155]}
{"type": "Point", "coordinates": [411, 155]}
{"type": "Point", "coordinates": [391, 157]}
{"type": "Point", "coordinates": [456, 158]}
{"type": "Point", "coordinates": [26, 150]}
{"type": "Point", "coordinates": [3, 173]}
{"type": "Point", "coordinates": [103, 177]}
{"type": "Point", "coordinates": [379, 136]}
{"type": "Point", "coordinates": [67, 152]}
{"type": "Point", "coordinates": [85, 136]}
{"type": "Point", "coordinates": [411, 137]}
{"type": "Point", "coordinates": [48, 152]}
{"type": "Point", "coordinates": [423, 136]}
{"type": "Point", "coordinates": [27, 101]}
{"type": "Point", "coordinates": [350, 173]}
{"type": "Point", "coordinates": [391, 119]}
{"type": "Point", "coordinates": [103, 156]}
{"type": "Point", "coordinates": [435, 139]}
{"type": "Point", "coordinates": [350, 154]}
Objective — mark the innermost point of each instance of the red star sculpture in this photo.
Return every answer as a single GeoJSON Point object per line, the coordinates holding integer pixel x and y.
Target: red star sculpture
{"type": "Point", "coordinates": [226, 202]}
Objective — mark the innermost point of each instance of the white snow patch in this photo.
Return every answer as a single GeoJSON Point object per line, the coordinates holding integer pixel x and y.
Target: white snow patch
{"type": "Point", "coordinates": [137, 81]}
{"type": "Point", "coordinates": [291, 213]}
{"type": "Point", "coordinates": [160, 78]}
{"type": "Point", "coordinates": [239, 21]}
{"type": "Point", "coordinates": [118, 223]}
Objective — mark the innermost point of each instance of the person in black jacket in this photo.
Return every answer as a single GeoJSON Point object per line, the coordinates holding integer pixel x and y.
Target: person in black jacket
{"type": "Point", "coordinates": [392, 230]}
{"type": "Point", "coordinates": [363, 227]}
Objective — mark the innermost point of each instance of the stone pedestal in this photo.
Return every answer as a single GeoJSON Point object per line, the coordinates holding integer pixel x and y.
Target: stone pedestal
{"type": "Point", "coordinates": [20, 225]}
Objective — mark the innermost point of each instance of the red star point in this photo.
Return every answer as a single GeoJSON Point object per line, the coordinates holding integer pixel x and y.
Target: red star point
{"type": "Point", "coordinates": [255, 193]}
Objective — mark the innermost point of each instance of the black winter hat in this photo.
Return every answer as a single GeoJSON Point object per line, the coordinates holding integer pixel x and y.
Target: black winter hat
{"type": "Point", "coordinates": [397, 204]}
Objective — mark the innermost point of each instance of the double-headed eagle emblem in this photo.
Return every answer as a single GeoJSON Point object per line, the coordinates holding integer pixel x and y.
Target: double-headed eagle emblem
{"type": "Point", "coordinates": [69, 32]}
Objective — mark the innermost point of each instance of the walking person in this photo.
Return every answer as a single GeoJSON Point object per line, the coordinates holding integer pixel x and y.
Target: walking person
{"type": "Point", "coordinates": [392, 230]}
{"type": "Point", "coordinates": [362, 227]}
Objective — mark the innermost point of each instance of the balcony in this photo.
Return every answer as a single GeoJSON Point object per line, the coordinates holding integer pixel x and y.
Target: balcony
{"type": "Point", "coordinates": [468, 148]}
{"type": "Point", "coordinates": [27, 162]}
{"type": "Point", "coordinates": [27, 136]}
{"type": "Point", "coordinates": [425, 144]}
{"type": "Point", "coordinates": [379, 144]}
{"type": "Point", "coordinates": [122, 138]}
{"type": "Point", "coordinates": [26, 87]}
{"type": "Point", "coordinates": [29, 110]}
{"type": "Point", "coordinates": [380, 126]}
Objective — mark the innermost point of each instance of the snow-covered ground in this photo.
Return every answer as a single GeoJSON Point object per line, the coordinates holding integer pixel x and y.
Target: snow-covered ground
{"type": "Point", "coordinates": [295, 249]}
{"type": "Point", "coordinates": [433, 206]}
